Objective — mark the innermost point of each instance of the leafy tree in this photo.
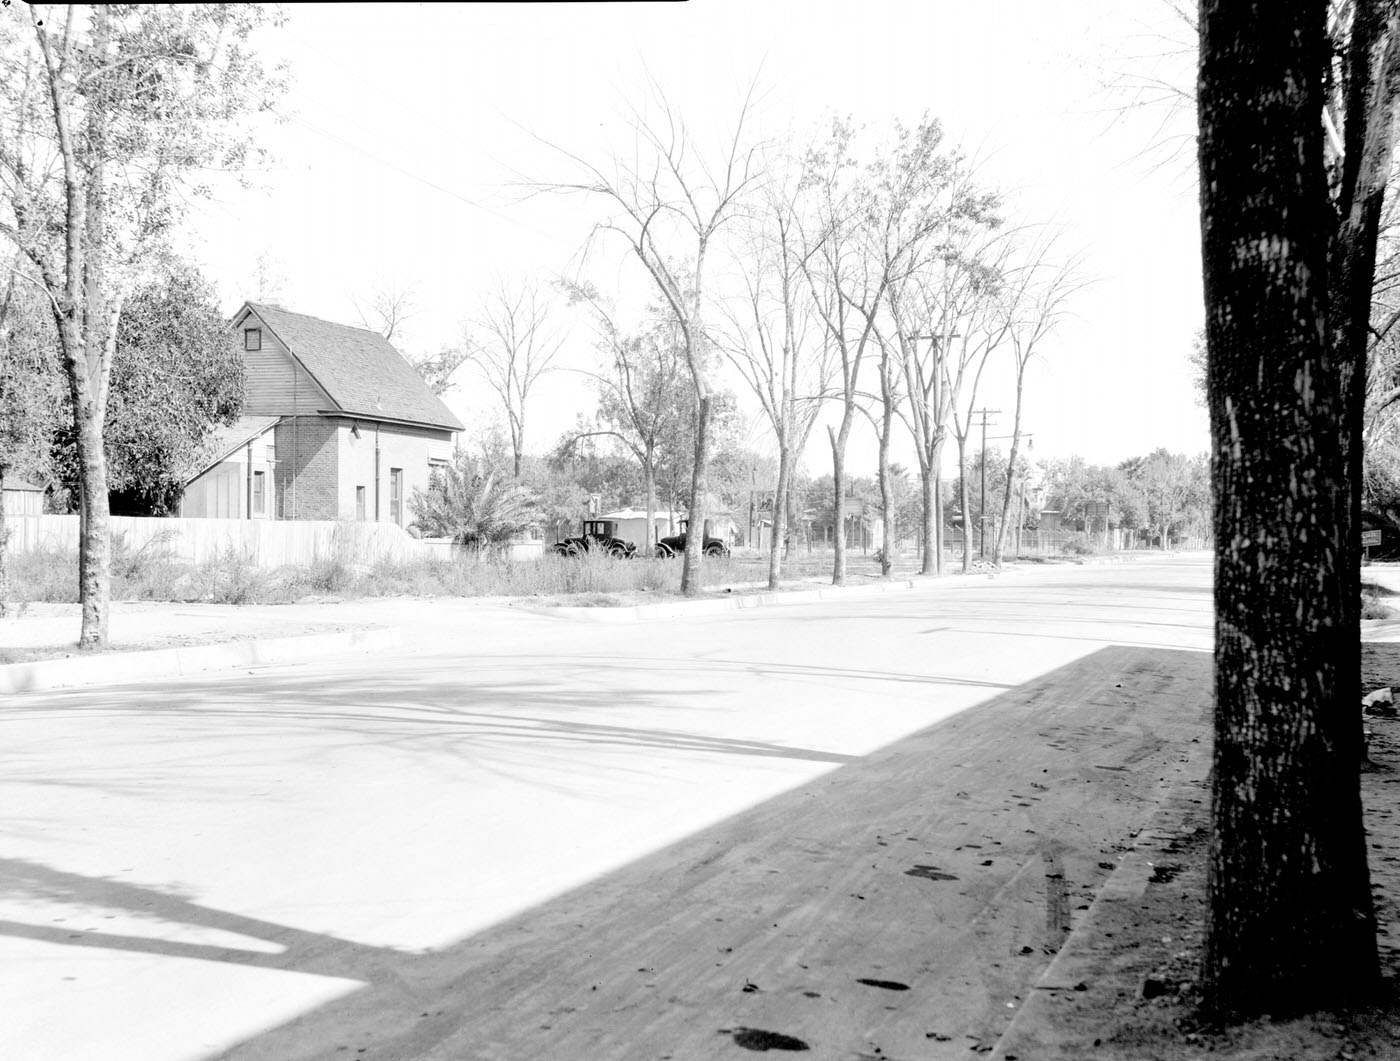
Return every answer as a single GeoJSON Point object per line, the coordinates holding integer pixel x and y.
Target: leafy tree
{"type": "Point", "coordinates": [31, 385]}
{"type": "Point", "coordinates": [473, 508]}
{"type": "Point", "coordinates": [28, 398]}
{"type": "Point", "coordinates": [107, 116]}
{"type": "Point", "coordinates": [437, 369]}
{"type": "Point", "coordinates": [1164, 479]}
{"type": "Point", "coordinates": [176, 374]}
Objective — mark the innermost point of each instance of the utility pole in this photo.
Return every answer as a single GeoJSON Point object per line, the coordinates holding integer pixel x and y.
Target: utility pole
{"type": "Point", "coordinates": [982, 494]}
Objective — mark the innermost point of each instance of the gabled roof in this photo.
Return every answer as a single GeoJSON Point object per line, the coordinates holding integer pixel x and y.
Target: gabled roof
{"type": "Point", "coordinates": [225, 441]}
{"type": "Point", "coordinates": [360, 369]}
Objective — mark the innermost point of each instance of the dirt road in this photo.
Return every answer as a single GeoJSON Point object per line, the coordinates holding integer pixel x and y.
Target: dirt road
{"type": "Point", "coordinates": [861, 827]}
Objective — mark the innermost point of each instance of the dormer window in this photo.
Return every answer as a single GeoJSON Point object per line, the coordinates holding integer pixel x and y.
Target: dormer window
{"type": "Point", "coordinates": [252, 338]}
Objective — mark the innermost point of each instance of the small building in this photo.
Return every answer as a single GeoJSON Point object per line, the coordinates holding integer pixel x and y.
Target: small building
{"type": "Point", "coordinates": [23, 499]}
{"type": "Point", "coordinates": [336, 425]}
{"type": "Point", "coordinates": [632, 524]}
{"type": "Point", "coordinates": [236, 481]}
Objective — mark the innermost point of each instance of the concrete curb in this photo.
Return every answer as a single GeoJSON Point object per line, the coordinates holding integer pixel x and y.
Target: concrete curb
{"type": "Point", "coordinates": [1079, 965]}
{"type": "Point", "coordinates": [677, 609]}
{"type": "Point", "coordinates": [680, 608]}
{"type": "Point", "coordinates": [116, 667]}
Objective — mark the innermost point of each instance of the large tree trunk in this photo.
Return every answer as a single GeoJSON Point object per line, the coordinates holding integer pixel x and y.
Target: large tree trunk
{"type": "Point", "coordinates": [1291, 923]}
{"type": "Point", "coordinates": [695, 533]}
{"type": "Point", "coordinates": [886, 497]}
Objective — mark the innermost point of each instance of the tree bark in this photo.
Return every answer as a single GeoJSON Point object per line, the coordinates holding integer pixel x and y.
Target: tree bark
{"type": "Point", "coordinates": [930, 520]}
{"type": "Point", "coordinates": [1291, 923]}
{"type": "Point", "coordinates": [4, 559]}
{"type": "Point", "coordinates": [965, 505]}
{"type": "Point", "coordinates": [777, 548]}
{"type": "Point", "coordinates": [938, 535]}
{"type": "Point", "coordinates": [649, 483]}
{"type": "Point", "coordinates": [695, 532]}
{"type": "Point", "coordinates": [838, 485]}
{"type": "Point", "coordinates": [887, 398]}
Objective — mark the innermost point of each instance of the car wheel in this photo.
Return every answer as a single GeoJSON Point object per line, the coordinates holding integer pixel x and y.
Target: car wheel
{"type": "Point", "coordinates": [664, 551]}
{"type": "Point", "coordinates": [619, 551]}
{"type": "Point", "coordinates": [716, 550]}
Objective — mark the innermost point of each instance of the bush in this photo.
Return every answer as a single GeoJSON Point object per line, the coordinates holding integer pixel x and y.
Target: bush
{"type": "Point", "coordinates": [49, 575]}
{"type": "Point", "coordinates": [1080, 545]}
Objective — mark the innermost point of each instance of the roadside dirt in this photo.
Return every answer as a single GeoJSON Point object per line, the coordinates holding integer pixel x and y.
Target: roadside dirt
{"type": "Point", "coordinates": [1142, 1003]}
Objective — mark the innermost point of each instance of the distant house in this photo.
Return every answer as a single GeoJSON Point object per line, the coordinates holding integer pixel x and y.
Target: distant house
{"type": "Point", "coordinates": [336, 425]}
{"type": "Point", "coordinates": [632, 524]}
{"type": "Point", "coordinates": [23, 499]}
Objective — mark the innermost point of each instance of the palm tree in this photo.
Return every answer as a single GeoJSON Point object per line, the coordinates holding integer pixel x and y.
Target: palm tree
{"type": "Point", "coordinates": [474, 509]}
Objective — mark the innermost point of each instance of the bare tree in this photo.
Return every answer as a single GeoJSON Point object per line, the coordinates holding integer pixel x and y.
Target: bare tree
{"type": "Point", "coordinates": [513, 341]}
{"type": "Point", "coordinates": [106, 114]}
{"type": "Point", "coordinates": [638, 394]}
{"type": "Point", "coordinates": [1035, 300]}
{"type": "Point", "coordinates": [926, 306]}
{"type": "Point", "coordinates": [268, 279]}
{"type": "Point", "coordinates": [664, 196]}
{"type": "Point", "coordinates": [962, 302]}
{"type": "Point", "coordinates": [771, 341]}
{"type": "Point", "coordinates": [389, 306]}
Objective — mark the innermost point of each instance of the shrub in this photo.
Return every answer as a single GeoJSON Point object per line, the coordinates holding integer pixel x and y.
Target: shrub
{"type": "Point", "coordinates": [1080, 545]}
{"type": "Point", "coordinates": [231, 577]}
{"type": "Point", "coordinates": [49, 575]}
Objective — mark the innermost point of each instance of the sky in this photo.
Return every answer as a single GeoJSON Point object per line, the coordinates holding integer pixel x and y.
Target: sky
{"type": "Point", "coordinates": [410, 134]}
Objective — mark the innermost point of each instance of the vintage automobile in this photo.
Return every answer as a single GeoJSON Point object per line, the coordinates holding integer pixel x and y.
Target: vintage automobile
{"type": "Point", "coordinates": [599, 535]}
{"type": "Point", "coordinates": [675, 544]}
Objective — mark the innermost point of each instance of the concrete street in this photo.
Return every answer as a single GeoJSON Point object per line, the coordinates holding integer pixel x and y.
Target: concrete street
{"type": "Point", "coordinates": [862, 824]}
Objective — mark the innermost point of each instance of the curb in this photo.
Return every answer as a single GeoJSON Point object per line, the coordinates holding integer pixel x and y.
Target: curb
{"type": "Point", "coordinates": [116, 667]}
{"type": "Point", "coordinates": [1037, 1032]}
{"type": "Point", "coordinates": [681, 608]}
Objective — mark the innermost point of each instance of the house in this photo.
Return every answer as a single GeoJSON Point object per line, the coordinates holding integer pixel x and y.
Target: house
{"type": "Point", "coordinates": [632, 524]}
{"type": "Point", "coordinates": [336, 425]}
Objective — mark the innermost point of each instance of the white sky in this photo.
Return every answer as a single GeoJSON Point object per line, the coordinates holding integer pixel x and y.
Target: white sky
{"type": "Point", "coordinates": [410, 123]}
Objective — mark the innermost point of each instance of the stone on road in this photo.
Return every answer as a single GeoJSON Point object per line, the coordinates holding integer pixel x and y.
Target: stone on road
{"type": "Point", "coordinates": [860, 827]}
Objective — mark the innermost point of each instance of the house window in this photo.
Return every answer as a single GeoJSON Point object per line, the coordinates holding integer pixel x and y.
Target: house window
{"type": "Point", "coordinates": [259, 493]}
{"type": "Point", "coordinates": [252, 338]}
{"type": "Point", "coordinates": [359, 502]}
{"type": "Point", "coordinates": [396, 495]}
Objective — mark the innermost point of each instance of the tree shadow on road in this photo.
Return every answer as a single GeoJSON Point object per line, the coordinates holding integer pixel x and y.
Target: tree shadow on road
{"type": "Point", "coordinates": [806, 893]}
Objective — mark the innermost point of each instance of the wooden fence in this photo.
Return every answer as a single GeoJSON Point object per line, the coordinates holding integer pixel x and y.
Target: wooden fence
{"type": "Point", "coordinates": [267, 543]}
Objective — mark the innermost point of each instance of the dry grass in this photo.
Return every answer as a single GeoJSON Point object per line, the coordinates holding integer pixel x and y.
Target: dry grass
{"type": "Point", "coordinates": [154, 573]}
